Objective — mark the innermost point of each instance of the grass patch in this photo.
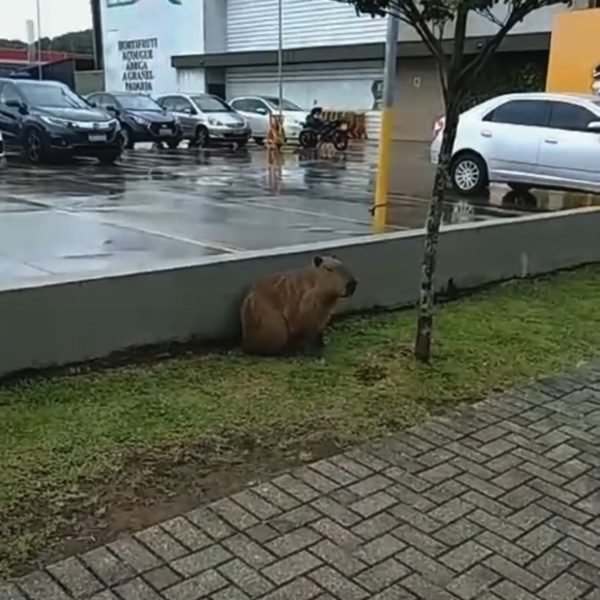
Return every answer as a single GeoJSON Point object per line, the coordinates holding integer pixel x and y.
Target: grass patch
{"type": "Point", "coordinates": [58, 436]}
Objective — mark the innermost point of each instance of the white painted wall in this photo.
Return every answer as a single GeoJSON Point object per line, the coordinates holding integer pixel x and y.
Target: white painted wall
{"type": "Point", "coordinates": [153, 31]}
{"type": "Point", "coordinates": [252, 24]}
{"type": "Point", "coordinates": [341, 86]}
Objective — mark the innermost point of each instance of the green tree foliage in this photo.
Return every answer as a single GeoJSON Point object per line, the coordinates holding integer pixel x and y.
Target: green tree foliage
{"type": "Point", "coordinates": [77, 42]}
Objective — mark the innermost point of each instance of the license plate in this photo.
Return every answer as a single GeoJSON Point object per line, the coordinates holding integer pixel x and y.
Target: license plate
{"type": "Point", "coordinates": [165, 131]}
{"type": "Point", "coordinates": [98, 137]}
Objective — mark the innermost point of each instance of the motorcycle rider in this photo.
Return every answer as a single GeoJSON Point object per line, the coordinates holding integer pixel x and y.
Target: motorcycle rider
{"type": "Point", "coordinates": [315, 121]}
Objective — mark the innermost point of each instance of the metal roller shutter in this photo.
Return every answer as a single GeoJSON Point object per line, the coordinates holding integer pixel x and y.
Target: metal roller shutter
{"type": "Point", "coordinates": [342, 86]}
{"type": "Point", "coordinates": [252, 25]}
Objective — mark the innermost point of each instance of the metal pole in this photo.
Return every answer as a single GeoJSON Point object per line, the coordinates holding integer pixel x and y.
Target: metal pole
{"type": "Point", "coordinates": [39, 30]}
{"type": "Point", "coordinates": [387, 126]}
{"type": "Point", "coordinates": [94, 35]}
{"type": "Point", "coordinates": [280, 55]}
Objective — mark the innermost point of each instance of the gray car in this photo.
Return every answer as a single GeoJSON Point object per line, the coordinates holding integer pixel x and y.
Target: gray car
{"type": "Point", "coordinates": [206, 119]}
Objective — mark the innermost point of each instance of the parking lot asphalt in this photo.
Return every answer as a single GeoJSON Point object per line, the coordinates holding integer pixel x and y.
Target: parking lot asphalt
{"type": "Point", "coordinates": [160, 208]}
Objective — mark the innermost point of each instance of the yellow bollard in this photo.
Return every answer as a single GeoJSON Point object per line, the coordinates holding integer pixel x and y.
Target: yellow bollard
{"type": "Point", "coordinates": [380, 209]}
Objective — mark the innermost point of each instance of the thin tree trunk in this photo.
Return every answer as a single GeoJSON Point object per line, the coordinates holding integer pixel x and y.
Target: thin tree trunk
{"type": "Point", "coordinates": [432, 227]}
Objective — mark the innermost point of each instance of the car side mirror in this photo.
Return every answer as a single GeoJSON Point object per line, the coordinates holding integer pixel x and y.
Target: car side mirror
{"type": "Point", "coordinates": [189, 110]}
{"type": "Point", "coordinates": [594, 126]}
{"type": "Point", "coordinates": [20, 106]}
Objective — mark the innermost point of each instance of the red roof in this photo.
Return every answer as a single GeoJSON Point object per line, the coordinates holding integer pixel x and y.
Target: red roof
{"type": "Point", "coordinates": [15, 56]}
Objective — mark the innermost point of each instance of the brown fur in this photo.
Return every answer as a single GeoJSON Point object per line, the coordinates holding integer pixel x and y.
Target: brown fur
{"type": "Point", "coordinates": [289, 312]}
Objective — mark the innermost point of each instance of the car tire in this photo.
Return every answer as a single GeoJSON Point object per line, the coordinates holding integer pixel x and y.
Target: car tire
{"type": "Point", "coordinates": [110, 158]}
{"type": "Point", "coordinates": [174, 143]}
{"type": "Point", "coordinates": [259, 140]}
{"type": "Point", "coordinates": [35, 146]}
{"type": "Point", "coordinates": [519, 188]}
{"type": "Point", "coordinates": [127, 137]}
{"type": "Point", "coordinates": [469, 174]}
{"type": "Point", "coordinates": [202, 138]}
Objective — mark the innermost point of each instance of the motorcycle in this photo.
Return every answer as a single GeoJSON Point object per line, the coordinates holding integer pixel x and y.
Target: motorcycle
{"type": "Point", "coordinates": [335, 132]}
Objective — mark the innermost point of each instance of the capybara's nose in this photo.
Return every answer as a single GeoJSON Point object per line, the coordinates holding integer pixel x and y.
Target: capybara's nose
{"type": "Point", "coordinates": [351, 287]}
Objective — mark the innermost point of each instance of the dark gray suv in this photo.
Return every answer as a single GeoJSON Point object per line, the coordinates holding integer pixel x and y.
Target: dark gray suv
{"type": "Point", "coordinates": [48, 120]}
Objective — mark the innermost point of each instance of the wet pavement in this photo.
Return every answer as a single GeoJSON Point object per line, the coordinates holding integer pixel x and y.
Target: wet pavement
{"type": "Point", "coordinates": [161, 208]}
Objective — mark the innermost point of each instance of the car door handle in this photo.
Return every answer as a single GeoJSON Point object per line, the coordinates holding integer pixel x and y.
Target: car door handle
{"type": "Point", "coordinates": [486, 133]}
{"type": "Point", "coordinates": [551, 141]}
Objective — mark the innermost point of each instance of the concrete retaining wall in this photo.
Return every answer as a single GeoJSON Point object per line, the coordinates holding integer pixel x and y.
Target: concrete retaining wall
{"type": "Point", "coordinates": [70, 321]}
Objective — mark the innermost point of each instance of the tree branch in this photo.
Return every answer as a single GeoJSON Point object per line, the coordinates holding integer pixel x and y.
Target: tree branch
{"type": "Point", "coordinates": [474, 66]}
{"type": "Point", "coordinates": [416, 19]}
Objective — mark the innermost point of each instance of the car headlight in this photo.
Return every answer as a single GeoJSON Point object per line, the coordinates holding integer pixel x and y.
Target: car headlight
{"type": "Point", "coordinates": [213, 121]}
{"type": "Point", "coordinates": [56, 121]}
{"type": "Point", "coordinates": [139, 120]}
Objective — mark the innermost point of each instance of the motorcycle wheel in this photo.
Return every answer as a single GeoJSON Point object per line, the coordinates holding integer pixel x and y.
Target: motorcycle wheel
{"type": "Point", "coordinates": [307, 138]}
{"type": "Point", "coordinates": [340, 140]}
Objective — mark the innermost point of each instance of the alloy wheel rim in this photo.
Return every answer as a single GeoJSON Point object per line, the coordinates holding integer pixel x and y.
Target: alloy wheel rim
{"type": "Point", "coordinates": [34, 144]}
{"type": "Point", "coordinates": [467, 175]}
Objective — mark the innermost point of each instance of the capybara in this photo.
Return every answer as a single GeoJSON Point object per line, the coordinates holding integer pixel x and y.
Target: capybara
{"type": "Point", "coordinates": [288, 312]}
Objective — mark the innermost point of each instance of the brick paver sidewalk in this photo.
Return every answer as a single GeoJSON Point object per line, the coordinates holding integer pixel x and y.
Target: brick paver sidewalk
{"type": "Point", "coordinates": [496, 501]}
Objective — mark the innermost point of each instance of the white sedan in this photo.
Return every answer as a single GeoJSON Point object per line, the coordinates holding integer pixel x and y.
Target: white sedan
{"type": "Point", "coordinates": [257, 110]}
{"type": "Point", "coordinates": [526, 140]}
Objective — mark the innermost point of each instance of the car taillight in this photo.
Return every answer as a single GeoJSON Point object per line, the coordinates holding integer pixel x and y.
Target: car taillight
{"type": "Point", "coordinates": [438, 126]}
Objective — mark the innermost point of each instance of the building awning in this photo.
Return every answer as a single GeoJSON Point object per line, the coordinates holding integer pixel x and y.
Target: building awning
{"type": "Point", "coordinates": [529, 42]}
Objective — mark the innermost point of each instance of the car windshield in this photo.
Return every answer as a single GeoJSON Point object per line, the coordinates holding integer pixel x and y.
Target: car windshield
{"type": "Point", "coordinates": [138, 103]}
{"type": "Point", "coordinates": [210, 104]}
{"type": "Point", "coordinates": [285, 104]}
{"type": "Point", "coordinates": [55, 96]}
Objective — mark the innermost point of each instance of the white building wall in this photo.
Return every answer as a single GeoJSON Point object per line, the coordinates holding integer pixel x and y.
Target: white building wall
{"type": "Point", "coordinates": [252, 24]}
{"type": "Point", "coordinates": [141, 36]}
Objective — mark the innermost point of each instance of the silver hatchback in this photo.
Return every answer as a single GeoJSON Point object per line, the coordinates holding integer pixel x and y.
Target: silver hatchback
{"type": "Point", "coordinates": [205, 119]}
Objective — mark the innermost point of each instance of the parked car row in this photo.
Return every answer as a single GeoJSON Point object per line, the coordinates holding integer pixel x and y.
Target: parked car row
{"type": "Point", "coordinates": [46, 119]}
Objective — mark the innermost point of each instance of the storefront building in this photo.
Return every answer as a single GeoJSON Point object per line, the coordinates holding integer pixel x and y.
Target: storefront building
{"type": "Point", "coordinates": [332, 57]}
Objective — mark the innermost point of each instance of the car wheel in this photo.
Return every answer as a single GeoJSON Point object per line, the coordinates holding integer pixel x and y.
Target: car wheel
{"type": "Point", "coordinates": [340, 140]}
{"type": "Point", "coordinates": [110, 158]}
{"type": "Point", "coordinates": [469, 174]}
{"type": "Point", "coordinates": [202, 137]}
{"type": "Point", "coordinates": [127, 139]}
{"type": "Point", "coordinates": [35, 146]}
{"type": "Point", "coordinates": [519, 188]}
{"type": "Point", "coordinates": [174, 143]}
{"type": "Point", "coordinates": [260, 141]}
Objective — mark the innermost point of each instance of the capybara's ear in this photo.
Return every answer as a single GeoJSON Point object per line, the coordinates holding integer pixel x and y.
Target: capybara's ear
{"type": "Point", "coordinates": [318, 260]}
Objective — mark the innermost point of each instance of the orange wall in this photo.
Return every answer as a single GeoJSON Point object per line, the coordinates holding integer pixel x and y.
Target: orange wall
{"type": "Point", "coordinates": [574, 51]}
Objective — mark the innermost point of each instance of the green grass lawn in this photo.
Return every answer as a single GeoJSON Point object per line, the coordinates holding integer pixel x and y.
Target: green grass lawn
{"type": "Point", "coordinates": [58, 434]}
